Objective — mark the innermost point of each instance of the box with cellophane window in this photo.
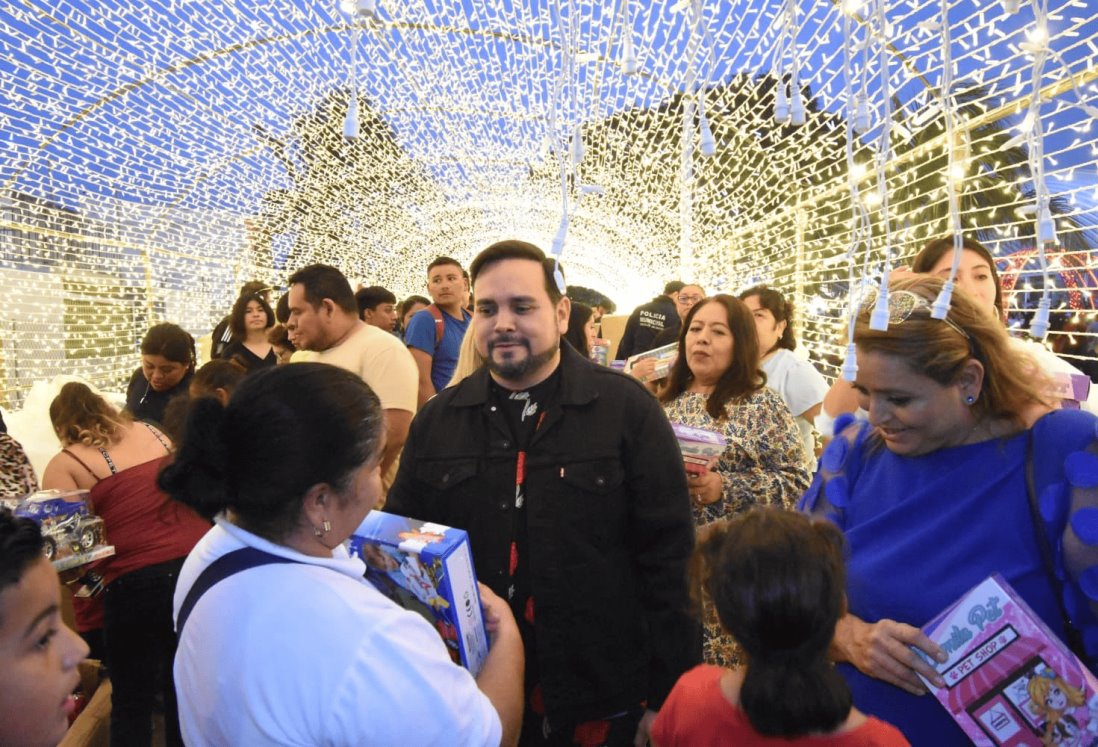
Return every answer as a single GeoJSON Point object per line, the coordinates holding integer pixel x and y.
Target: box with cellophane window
{"type": "Point", "coordinates": [426, 568]}
{"type": "Point", "coordinates": [701, 448]}
{"type": "Point", "coordinates": [72, 534]}
{"type": "Point", "coordinates": [1009, 681]}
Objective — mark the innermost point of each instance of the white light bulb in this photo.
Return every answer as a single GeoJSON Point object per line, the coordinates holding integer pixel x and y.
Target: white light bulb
{"type": "Point", "coordinates": [796, 109]}
{"type": "Point", "coordinates": [628, 56]}
{"type": "Point", "coordinates": [781, 105]}
{"type": "Point", "coordinates": [1011, 6]}
{"type": "Point", "coordinates": [708, 143]}
{"type": "Point", "coordinates": [367, 8]}
{"type": "Point", "coordinates": [350, 122]}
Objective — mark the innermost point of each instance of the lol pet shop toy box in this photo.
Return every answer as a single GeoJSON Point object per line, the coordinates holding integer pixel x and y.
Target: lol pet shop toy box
{"type": "Point", "coordinates": [427, 568]}
{"type": "Point", "coordinates": [700, 447]}
{"type": "Point", "coordinates": [1008, 680]}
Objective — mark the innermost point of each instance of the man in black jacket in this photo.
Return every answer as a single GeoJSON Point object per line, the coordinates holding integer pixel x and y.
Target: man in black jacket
{"type": "Point", "coordinates": [649, 320]}
{"type": "Point", "coordinates": [570, 483]}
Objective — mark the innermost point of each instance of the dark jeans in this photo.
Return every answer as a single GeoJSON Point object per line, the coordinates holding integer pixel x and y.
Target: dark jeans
{"type": "Point", "coordinates": [140, 648]}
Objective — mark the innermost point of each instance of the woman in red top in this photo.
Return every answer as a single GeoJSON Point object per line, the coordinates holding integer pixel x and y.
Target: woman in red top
{"type": "Point", "coordinates": [777, 582]}
{"type": "Point", "coordinates": [116, 459]}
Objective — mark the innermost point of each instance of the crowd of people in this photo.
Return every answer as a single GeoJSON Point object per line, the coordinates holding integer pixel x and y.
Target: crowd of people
{"type": "Point", "coordinates": [774, 595]}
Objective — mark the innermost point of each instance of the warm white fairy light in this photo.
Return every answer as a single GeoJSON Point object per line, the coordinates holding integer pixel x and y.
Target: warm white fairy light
{"type": "Point", "coordinates": [150, 161]}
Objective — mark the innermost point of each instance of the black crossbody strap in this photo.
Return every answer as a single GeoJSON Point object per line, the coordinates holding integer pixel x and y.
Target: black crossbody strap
{"type": "Point", "coordinates": [227, 565]}
{"type": "Point", "coordinates": [1071, 633]}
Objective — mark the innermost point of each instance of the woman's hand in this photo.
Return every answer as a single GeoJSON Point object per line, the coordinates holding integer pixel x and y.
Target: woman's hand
{"type": "Point", "coordinates": [705, 488]}
{"type": "Point", "coordinates": [643, 369]}
{"type": "Point", "coordinates": [883, 650]}
{"type": "Point", "coordinates": [497, 613]}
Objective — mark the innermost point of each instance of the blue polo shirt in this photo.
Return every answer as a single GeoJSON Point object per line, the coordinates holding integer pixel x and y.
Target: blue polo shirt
{"type": "Point", "coordinates": [421, 336]}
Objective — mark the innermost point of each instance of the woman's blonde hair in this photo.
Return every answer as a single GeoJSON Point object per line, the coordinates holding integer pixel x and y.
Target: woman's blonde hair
{"type": "Point", "coordinates": [79, 415]}
{"type": "Point", "coordinates": [939, 349]}
{"type": "Point", "coordinates": [469, 360]}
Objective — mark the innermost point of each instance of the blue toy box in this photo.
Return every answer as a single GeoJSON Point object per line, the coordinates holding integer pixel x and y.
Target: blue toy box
{"type": "Point", "coordinates": [427, 568]}
{"type": "Point", "coordinates": [71, 534]}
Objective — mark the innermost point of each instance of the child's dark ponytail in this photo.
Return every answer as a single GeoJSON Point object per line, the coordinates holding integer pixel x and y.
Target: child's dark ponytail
{"type": "Point", "coordinates": [776, 579]}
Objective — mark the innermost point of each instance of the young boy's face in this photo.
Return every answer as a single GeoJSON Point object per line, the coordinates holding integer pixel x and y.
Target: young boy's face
{"type": "Point", "coordinates": [38, 658]}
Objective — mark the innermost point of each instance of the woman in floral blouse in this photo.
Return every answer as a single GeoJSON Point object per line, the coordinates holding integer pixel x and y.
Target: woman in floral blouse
{"type": "Point", "coordinates": [716, 384]}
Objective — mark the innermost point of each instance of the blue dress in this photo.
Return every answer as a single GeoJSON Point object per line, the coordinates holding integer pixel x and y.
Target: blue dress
{"type": "Point", "coordinates": [923, 530]}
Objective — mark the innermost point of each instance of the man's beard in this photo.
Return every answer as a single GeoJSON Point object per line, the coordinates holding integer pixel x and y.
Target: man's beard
{"type": "Point", "coordinates": [516, 370]}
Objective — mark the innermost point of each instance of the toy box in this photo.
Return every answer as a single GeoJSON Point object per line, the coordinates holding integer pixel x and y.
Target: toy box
{"type": "Point", "coordinates": [1071, 389]}
{"type": "Point", "coordinates": [664, 356]}
{"type": "Point", "coordinates": [701, 448]}
{"type": "Point", "coordinates": [600, 351]}
{"type": "Point", "coordinates": [1008, 680]}
{"type": "Point", "coordinates": [71, 534]}
{"type": "Point", "coordinates": [427, 568]}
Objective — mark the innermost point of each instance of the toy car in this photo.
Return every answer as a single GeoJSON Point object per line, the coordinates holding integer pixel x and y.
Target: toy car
{"type": "Point", "coordinates": [68, 525]}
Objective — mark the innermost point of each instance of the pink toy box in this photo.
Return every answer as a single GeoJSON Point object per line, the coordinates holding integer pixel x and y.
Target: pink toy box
{"type": "Point", "coordinates": [701, 448]}
{"type": "Point", "coordinates": [427, 568]}
{"type": "Point", "coordinates": [1008, 680]}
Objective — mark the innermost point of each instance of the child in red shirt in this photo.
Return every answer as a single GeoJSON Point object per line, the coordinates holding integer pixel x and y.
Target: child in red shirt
{"type": "Point", "coordinates": [776, 579]}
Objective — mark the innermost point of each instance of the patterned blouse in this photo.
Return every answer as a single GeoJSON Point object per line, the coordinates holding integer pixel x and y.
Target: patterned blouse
{"type": "Point", "coordinates": [764, 462]}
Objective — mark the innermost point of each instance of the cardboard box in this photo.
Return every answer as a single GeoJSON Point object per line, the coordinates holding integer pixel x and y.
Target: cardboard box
{"type": "Point", "coordinates": [1003, 665]}
{"type": "Point", "coordinates": [612, 328]}
{"type": "Point", "coordinates": [92, 727]}
{"type": "Point", "coordinates": [664, 356]}
{"type": "Point", "coordinates": [700, 448]}
{"type": "Point", "coordinates": [1071, 389]}
{"type": "Point", "coordinates": [427, 568]}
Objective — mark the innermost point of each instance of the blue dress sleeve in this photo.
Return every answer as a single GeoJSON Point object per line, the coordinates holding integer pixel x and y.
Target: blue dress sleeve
{"type": "Point", "coordinates": [1065, 470]}
{"type": "Point", "coordinates": [829, 494]}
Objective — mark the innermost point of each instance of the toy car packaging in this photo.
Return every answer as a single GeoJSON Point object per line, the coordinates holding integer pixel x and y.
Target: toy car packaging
{"type": "Point", "coordinates": [1008, 680]}
{"type": "Point", "coordinates": [427, 568]}
{"type": "Point", "coordinates": [71, 534]}
{"type": "Point", "coordinates": [700, 448]}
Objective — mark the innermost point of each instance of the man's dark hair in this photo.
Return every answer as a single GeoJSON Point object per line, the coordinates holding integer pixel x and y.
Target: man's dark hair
{"type": "Point", "coordinates": [325, 281]}
{"type": "Point", "coordinates": [282, 308]}
{"type": "Point", "coordinates": [369, 298]}
{"type": "Point", "coordinates": [514, 249]}
{"type": "Point", "coordinates": [254, 287]}
{"type": "Point", "coordinates": [20, 547]}
{"type": "Point", "coordinates": [673, 287]}
{"type": "Point", "coordinates": [439, 261]}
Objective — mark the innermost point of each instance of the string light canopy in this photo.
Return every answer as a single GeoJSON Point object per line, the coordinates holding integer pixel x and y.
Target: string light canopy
{"type": "Point", "coordinates": [154, 155]}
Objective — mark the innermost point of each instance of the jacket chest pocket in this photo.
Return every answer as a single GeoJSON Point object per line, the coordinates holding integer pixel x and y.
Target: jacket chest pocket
{"type": "Point", "coordinates": [445, 475]}
{"type": "Point", "coordinates": [599, 476]}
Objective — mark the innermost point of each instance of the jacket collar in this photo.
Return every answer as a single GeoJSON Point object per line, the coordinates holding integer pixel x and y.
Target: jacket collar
{"type": "Point", "coordinates": [576, 384]}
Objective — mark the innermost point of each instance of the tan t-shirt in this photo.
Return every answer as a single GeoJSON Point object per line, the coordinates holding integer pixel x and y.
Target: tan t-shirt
{"type": "Point", "coordinates": [382, 361]}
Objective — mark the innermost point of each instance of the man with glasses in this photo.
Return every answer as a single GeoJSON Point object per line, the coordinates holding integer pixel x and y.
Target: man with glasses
{"type": "Point", "coordinates": [648, 320]}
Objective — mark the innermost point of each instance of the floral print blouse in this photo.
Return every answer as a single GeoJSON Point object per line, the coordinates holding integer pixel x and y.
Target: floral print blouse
{"type": "Point", "coordinates": [764, 461]}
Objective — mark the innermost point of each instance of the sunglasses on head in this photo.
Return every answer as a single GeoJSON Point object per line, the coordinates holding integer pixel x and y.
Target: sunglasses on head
{"type": "Point", "coordinates": [901, 305]}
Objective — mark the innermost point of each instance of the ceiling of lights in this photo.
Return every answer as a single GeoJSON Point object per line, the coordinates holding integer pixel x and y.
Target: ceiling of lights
{"type": "Point", "coordinates": [156, 154]}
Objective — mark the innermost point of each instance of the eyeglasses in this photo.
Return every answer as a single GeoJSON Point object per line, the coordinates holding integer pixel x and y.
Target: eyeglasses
{"type": "Point", "coordinates": [901, 305]}
{"type": "Point", "coordinates": [690, 299]}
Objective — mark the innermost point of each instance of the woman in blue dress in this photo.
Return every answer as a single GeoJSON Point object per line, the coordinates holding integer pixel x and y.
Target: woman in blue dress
{"type": "Point", "coordinates": [932, 496]}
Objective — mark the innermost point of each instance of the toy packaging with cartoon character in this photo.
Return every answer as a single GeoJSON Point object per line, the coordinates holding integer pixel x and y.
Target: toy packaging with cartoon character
{"type": "Point", "coordinates": [665, 358]}
{"type": "Point", "coordinates": [1008, 680]}
{"type": "Point", "coordinates": [427, 568]}
{"type": "Point", "coordinates": [700, 448]}
{"type": "Point", "coordinates": [72, 535]}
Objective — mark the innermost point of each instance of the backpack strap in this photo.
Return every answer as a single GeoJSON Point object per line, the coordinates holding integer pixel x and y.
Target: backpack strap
{"type": "Point", "coordinates": [440, 324]}
{"type": "Point", "coordinates": [227, 565]}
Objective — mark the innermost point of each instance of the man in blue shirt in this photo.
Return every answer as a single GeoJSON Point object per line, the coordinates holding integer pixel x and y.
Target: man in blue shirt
{"type": "Point", "coordinates": [434, 334]}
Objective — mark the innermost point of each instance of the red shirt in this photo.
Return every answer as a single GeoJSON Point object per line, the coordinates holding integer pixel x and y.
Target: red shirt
{"type": "Point", "coordinates": [144, 525]}
{"type": "Point", "coordinates": [696, 714]}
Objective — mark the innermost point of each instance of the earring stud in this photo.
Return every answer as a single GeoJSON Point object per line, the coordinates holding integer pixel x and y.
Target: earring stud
{"type": "Point", "coordinates": [970, 400]}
